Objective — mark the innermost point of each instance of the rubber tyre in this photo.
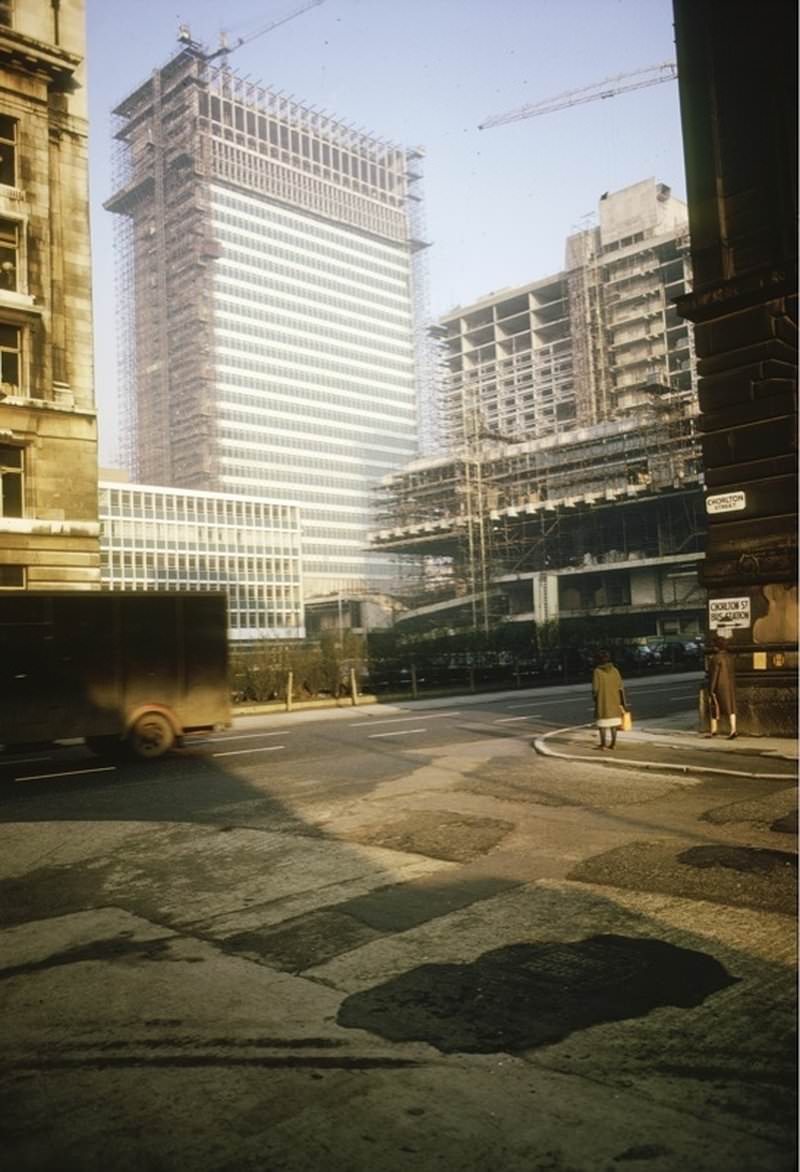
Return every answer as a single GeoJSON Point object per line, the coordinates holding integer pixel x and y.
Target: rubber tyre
{"type": "Point", "coordinates": [151, 736]}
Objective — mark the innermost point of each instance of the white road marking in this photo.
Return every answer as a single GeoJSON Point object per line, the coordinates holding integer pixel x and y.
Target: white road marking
{"type": "Point", "coordinates": [511, 719]}
{"type": "Point", "coordinates": [401, 732]}
{"type": "Point", "coordinates": [535, 703]}
{"type": "Point", "coordinates": [238, 737]}
{"type": "Point", "coordinates": [240, 752]}
{"type": "Point", "coordinates": [401, 719]}
{"type": "Point", "coordinates": [69, 773]}
{"type": "Point", "coordinates": [25, 760]}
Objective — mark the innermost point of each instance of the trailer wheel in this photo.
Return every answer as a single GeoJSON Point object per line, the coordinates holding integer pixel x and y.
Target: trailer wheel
{"type": "Point", "coordinates": [151, 736]}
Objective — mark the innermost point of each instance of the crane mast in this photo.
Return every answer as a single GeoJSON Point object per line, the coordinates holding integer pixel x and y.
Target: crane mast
{"type": "Point", "coordinates": [609, 87]}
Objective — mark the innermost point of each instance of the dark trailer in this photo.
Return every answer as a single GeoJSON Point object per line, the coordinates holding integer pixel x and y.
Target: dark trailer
{"type": "Point", "coordinates": [132, 671]}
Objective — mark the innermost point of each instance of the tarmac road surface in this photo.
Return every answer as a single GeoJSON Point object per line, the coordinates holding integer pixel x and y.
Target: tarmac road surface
{"type": "Point", "coordinates": [391, 937]}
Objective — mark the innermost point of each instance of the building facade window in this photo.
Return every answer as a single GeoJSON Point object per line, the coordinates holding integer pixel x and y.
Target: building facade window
{"type": "Point", "coordinates": [11, 478]}
{"type": "Point", "coordinates": [6, 13]}
{"type": "Point", "coordinates": [10, 359]}
{"type": "Point", "coordinates": [8, 151]}
{"type": "Point", "coordinates": [12, 577]}
{"type": "Point", "coordinates": [9, 255]}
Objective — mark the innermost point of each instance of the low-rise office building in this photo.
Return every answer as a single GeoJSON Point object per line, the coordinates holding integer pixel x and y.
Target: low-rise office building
{"type": "Point", "coordinates": [154, 538]}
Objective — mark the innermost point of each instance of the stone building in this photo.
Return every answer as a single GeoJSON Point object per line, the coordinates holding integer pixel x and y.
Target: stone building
{"type": "Point", "coordinates": [48, 436]}
{"type": "Point", "coordinates": [737, 72]}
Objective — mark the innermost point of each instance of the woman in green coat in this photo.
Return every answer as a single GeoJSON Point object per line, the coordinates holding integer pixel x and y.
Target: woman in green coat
{"type": "Point", "coordinates": [609, 699]}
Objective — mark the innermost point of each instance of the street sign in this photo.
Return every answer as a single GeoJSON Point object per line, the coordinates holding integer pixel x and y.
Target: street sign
{"type": "Point", "coordinates": [726, 502]}
{"type": "Point", "coordinates": [727, 613]}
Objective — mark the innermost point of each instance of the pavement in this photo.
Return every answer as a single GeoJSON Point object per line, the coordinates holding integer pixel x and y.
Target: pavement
{"type": "Point", "coordinates": [675, 744]}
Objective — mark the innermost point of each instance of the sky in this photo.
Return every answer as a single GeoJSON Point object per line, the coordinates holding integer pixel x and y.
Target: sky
{"type": "Point", "coordinates": [499, 202]}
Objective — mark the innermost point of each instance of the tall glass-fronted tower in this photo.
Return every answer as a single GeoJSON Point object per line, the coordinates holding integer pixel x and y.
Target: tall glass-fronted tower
{"type": "Point", "coordinates": [267, 291]}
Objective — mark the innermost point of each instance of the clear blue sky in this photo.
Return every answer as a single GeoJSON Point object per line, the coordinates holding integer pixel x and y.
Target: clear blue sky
{"type": "Point", "coordinates": [424, 72]}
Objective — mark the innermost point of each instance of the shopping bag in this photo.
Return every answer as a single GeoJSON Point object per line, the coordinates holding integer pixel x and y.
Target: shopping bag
{"type": "Point", "coordinates": [627, 720]}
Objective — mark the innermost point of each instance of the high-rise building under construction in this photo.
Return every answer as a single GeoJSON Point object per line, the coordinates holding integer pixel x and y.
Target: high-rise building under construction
{"type": "Point", "coordinates": [600, 340]}
{"type": "Point", "coordinates": [266, 296]}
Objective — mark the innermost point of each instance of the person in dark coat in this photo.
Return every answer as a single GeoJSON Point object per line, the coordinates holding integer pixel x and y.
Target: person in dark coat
{"type": "Point", "coordinates": [609, 699]}
{"type": "Point", "coordinates": [721, 689]}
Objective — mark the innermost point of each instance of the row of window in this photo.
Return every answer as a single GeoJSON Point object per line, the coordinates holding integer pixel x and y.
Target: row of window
{"type": "Point", "coordinates": [250, 457]}
{"type": "Point", "coordinates": [280, 395]}
{"type": "Point", "coordinates": [273, 419]}
{"type": "Point", "coordinates": [273, 573]}
{"type": "Point", "coordinates": [309, 265]}
{"type": "Point", "coordinates": [235, 329]}
{"type": "Point", "coordinates": [307, 320]}
{"type": "Point", "coordinates": [257, 233]}
{"type": "Point", "coordinates": [242, 300]}
{"type": "Point", "coordinates": [257, 210]}
{"type": "Point", "coordinates": [270, 364]}
{"type": "Point", "coordinates": [246, 267]}
{"type": "Point", "coordinates": [163, 533]}
{"type": "Point", "coordinates": [353, 455]}
{"type": "Point", "coordinates": [248, 279]}
{"type": "Point", "coordinates": [200, 510]}
{"type": "Point", "coordinates": [355, 401]}
{"type": "Point", "coordinates": [238, 474]}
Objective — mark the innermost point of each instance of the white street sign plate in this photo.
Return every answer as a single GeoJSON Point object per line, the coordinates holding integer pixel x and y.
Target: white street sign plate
{"type": "Point", "coordinates": [726, 502]}
{"type": "Point", "coordinates": [728, 612]}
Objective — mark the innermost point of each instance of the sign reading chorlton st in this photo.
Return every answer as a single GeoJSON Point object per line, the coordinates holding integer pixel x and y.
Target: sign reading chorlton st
{"type": "Point", "coordinates": [728, 612]}
{"type": "Point", "coordinates": [726, 502]}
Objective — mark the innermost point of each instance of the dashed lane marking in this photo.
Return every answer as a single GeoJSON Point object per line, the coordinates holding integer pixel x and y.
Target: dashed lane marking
{"type": "Point", "coordinates": [401, 732]}
{"type": "Point", "coordinates": [67, 773]}
{"type": "Point", "coordinates": [241, 752]}
{"type": "Point", "coordinates": [402, 719]}
{"type": "Point", "coordinates": [238, 737]}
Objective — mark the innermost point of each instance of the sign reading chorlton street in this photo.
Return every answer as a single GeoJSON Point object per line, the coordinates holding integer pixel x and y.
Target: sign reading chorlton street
{"type": "Point", "coordinates": [726, 502]}
{"type": "Point", "coordinates": [728, 612]}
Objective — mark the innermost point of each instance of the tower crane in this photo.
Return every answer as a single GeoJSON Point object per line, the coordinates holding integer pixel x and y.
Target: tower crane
{"type": "Point", "coordinates": [184, 33]}
{"type": "Point", "coordinates": [609, 87]}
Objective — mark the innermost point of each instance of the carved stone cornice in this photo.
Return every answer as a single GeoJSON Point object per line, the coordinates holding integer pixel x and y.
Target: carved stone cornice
{"type": "Point", "coordinates": [28, 55]}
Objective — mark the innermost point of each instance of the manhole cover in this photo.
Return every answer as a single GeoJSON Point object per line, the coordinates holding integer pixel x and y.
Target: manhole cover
{"type": "Point", "coordinates": [739, 858]}
{"type": "Point", "coordinates": [527, 995]}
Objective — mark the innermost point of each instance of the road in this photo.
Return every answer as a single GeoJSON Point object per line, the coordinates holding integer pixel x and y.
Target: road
{"type": "Point", "coordinates": [261, 744]}
{"type": "Point", "coordinates": [357, 938]}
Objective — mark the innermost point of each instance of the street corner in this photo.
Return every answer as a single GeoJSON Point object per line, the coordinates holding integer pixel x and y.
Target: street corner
{"type": "Point", "coordinates": [684, 753]}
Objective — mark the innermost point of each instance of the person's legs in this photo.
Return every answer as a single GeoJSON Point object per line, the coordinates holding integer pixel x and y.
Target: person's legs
{"type": "Point", "coordinates": [613, 735]}
{"type": "Point", "coordinates": [732, 734]}
{"type": "Point", "coordinates": [713, 715]}
{"type": "Point", "coordinates": [602, 734]}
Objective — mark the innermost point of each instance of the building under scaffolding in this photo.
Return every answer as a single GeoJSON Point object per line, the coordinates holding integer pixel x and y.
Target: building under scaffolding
{"type": "Point", "coordinates": [607, 520]}
{"type": "Point", "coordinates": [570, 408]}
{"type": "Point", "coordinates": [266, 272]}
{"type": "Point", "coordinates": [597, 341]}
